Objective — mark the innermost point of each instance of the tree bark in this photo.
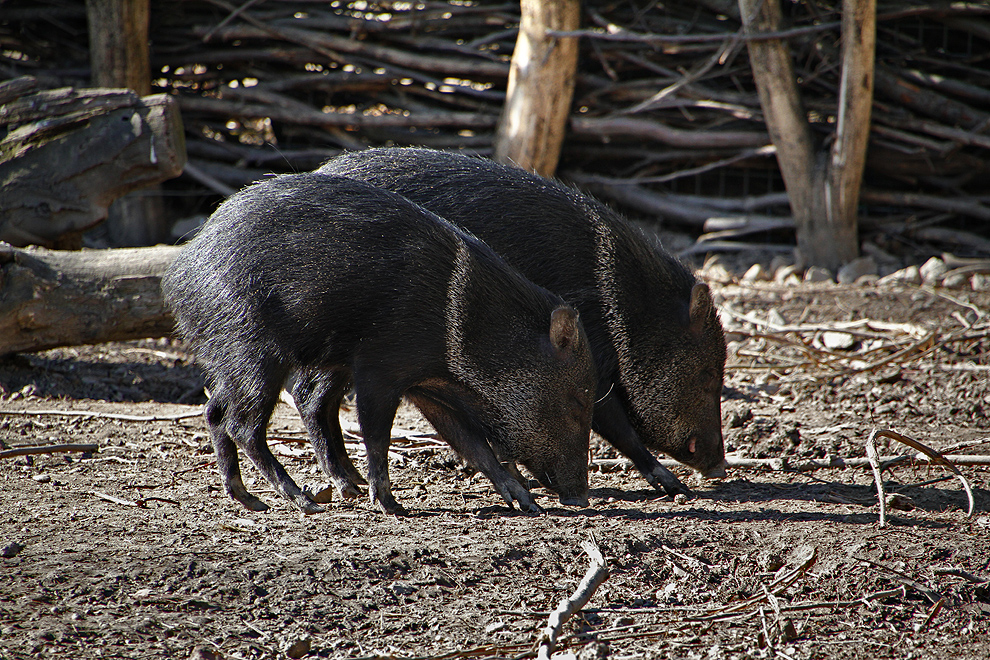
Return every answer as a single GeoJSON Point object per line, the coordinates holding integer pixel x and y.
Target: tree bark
{"type": "Point", "coordinates": [73, 152]}
{"type": "Point", "coordinates": [118, 44]}
{"type": "Point", "coordinates": [119, 57]}
{"type": "Point", "coordinates": [52, 298]}
{"type": "Point", "coordinates": [852, 131]}
{"type": "Point", "coordinates": [541, 85]}
{"type": "Point", "coordinates": [823, 188]}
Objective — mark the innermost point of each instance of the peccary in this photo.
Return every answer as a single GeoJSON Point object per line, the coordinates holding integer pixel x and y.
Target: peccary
{"type": "Point", "coordinates": [334, 283]}
{"type": "Point", "coordinates": [657, 340]}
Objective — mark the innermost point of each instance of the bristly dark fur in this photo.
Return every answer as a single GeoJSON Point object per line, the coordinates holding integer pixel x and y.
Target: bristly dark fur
{"type": "Point", "coordinates": [336, 282]}
{"type": "Point", "coordinates": [660, 375]}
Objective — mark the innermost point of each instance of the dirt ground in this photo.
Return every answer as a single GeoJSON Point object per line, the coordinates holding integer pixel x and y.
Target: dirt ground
{"type": "Point", "coordinates": [133, 551]}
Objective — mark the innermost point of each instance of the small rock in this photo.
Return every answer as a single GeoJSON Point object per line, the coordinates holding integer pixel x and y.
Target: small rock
{"type": "Point", "coordinates": [738, 419]}
{"type": "Point", "coordinates": [770, 561]}
{"type": "Point", "coordinates": [837, 341]}
{"type": "Point", "coordinates": [495, 626]}
{"type": "Point", "coordinates": [787, 275]}
{"type": "Point", "coordinates": [899, 501]}
{"type": "Point", "coordinates": [778, 262]}
{"type": "Point", "coordinates": [716, 272]}
{"type": "Point", "coordinates": [788, 633]}
{"type": "Point", "coordinates": [680, 498]}
{"type": "Point", "coordinates": [955, 281]}
{"type": "Point", "coordinates": [203, 653]}
{"type": "Point", "coordinates": [402, 588]}
{"type": "Point", "coordinates": [321, 493]}
{"type": "Point", "coordinates": [756, 273]}
{"type": "Point", "coordinates": [909, 275]}
{"type": "Point", "coordinates": [980, 282]}
{"type": "Point", "coordinates": [594, 651]}
{"type": "Point", "coordinates": [42, 478]}
{"type": "Point", "coordinates": [856, 269]}
{"type": "Point", "coordinates": [817, 274]}
{"type": "Point", "coordinates": [299, 648]}
{"type": "Point", "coordinates": [11, 550]}
{"type": "Point", "coordinates": [932, 271]}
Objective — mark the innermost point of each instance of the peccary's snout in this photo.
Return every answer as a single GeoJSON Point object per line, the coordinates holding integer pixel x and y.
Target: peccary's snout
{"type": "Point", "coordinates": [574, 500]}
{"type": "Point", "coordinates": [716, 472]}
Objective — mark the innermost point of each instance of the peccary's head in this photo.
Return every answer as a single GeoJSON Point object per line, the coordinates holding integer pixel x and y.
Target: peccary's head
{"type": "Point", "coordinates": [547, 406]}
{"type": "Point", "coordinates": [676, 397]}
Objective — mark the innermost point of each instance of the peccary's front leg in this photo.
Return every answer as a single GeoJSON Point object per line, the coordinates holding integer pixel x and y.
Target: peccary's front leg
{"type": "Point", "coordinates": [610, 422]}
{"type": "Point", "coordinates": [376, 408]}
{"type": "Point", "coordinates": [476, 451]}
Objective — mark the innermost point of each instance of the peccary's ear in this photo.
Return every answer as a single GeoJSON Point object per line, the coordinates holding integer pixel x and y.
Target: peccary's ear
{"type": "Point", "coordinates": [701, 307]}
{"type": "Point", "coordinates": [564, 330]}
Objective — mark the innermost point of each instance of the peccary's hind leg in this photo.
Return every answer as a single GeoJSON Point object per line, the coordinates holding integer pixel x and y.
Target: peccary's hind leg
{"type": "Point", "coordinates": [248, 409]}
{"type": "Point", "coordinates": [318, 395]}
{"type": "Point", "coordinates": [226, 452]}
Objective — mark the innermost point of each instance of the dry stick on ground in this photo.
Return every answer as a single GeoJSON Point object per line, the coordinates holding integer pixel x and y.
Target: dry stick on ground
{"type": "Point", "coordinates": [597, 573]}
{"type": "Point", "coordinates": [784, 464]}
{"type": "Point", "coordinates": [103, 415]}
{"type": "Point", "coordinates": [936, 457]}
{"type": "Point", "coordinates": [932, 595]}
{"type": "Point", "coordinates": [46, 449]}
{"type": "Point", "coordinates": [778, 586]}
{"type": "Point", "coordinates": [871, 454]}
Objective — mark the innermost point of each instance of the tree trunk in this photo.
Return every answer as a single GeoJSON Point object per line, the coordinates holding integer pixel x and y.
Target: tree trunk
{"type": "Point", "coordinates": [52, 298]}
{"type": "Point", "coordinates": [119, 57]}
{"type": "Point", "coordinates": [823, 188]}
{"type": "Point", "coordinates": [118, 44]}
{"type": "Point", "coordinates": [541, 85]}
{"type": "Point", "coordinates": [852, 130]}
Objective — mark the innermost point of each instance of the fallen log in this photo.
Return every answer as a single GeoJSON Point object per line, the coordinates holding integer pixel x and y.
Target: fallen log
{"type": "Point", "coordinates": [51, 298]}
{"type": "Point", "coordinates": [69, 153]}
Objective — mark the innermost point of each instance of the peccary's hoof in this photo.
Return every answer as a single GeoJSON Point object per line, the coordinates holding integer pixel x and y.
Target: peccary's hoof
{"type": "Point", "coordinates": [250, 502]}
{"type": "Point", "coordinates": [319, 493]}
{"type": "Point", "coordinates": [395, 509]}
{"type": "Point", "coordinates": [306, 505]}
{"type": "Point", "coordinates": [531, 507]}
{"type": "Point", "coordinates": [663, 479]}
{"type": "Point", "coordinates": [575, 501]}
{"type": "Point", "coordinates": [350, 491]}
{"type": "Point", "coordinates": [387, 504]}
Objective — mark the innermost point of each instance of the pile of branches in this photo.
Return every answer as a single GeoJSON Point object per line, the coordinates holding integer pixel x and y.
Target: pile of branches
{"type": "Point", "coordinates": [665, 122]}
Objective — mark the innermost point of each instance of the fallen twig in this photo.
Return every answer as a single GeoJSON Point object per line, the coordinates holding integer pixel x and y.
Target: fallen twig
{"type": "Point", "coordinates": [932, 595]}
{"type": "Point", "coordinates": [924, 449]}
{"type": "Point", "coordinates": [103, 415]}
{"type": "Point", "coordinates": [111, 498]}
{"type": "Point", "coordinates": [958, 572]}
{"type": "Point", "coordinates": [785, 464]}
{"type": "Point", "coordinates": [47, 449]}
{"type": "Point", "coordinates": [597, 573]}
{"type": "Point", "coordinates": [776, 587]}
{"type": "Point", "coordinates": [932, 613]}
{"type": "Point", "coordinates": [871, 454]}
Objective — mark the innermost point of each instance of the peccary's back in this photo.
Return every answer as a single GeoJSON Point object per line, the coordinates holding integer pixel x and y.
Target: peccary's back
{"type": "Point", "coordinates": [323, 265]}
{"type": "Point", "coordinates": [560, 239]}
